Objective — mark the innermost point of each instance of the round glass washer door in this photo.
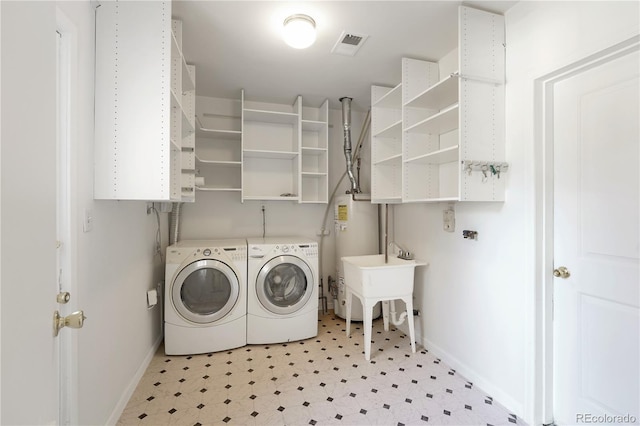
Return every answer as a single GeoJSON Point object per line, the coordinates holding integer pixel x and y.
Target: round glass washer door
{"type": "Point", "coordinates": [205, 291]}
{"type": "Point", "coordinates": [284, 284]}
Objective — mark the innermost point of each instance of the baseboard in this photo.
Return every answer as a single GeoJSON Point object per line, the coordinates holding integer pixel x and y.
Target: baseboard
{"type": "Point", "coordinates": [124, 399]}
{"type": "Point", "coordinates": [478, 380]}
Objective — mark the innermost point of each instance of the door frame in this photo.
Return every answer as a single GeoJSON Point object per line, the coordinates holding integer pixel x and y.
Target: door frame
{"type": "Point", "coordinates": [544, 87]}
{"type": "Point", "coordinates": [68, 343]}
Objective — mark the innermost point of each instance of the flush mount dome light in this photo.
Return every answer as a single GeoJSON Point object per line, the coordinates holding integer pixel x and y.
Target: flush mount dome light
{"type": "Point", "coordinates": [299, 31]}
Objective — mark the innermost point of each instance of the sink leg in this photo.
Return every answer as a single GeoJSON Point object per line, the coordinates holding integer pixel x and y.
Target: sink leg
{"type": "Point", "coordinates": [385, 314]}
{"type": "Point", "coordinates": [412, 333]}
{"type": "Point", "coordinates": [348, 311]}
{"type": "Point", "coordinates": [368, 318]}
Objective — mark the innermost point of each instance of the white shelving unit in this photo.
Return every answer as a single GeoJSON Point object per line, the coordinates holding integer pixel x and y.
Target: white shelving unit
{"type": "Point", "coordinates": [271, 151]}
{"type": "Point", "coordinates": [144, 118]}
{"type": "Point", "coordinates": [219, 144]}
{"type": "Point", "coordinates": [263, 151]}
{"type": "Point", "coordinates": [451, 141]}
{"type": "Point", "coordinates": [386, 142]}
{"type": "Point", "coordinates": [314, 154]}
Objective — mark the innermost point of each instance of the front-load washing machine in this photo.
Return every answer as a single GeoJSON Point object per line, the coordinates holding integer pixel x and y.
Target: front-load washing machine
{"type": "Point", "coordinates": [205, 296]}
{"type": "Point", "coordinates": [282, 299]}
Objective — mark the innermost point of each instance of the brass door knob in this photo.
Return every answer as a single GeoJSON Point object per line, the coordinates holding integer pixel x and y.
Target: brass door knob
{"type": "Point", "coordinates": [74, 320]}
{"type": "Point", "coordinates": [561, 272]}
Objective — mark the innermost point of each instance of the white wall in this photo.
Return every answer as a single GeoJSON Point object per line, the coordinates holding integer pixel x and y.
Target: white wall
{"type": "Point", "coordinates": [477, 297]}
{"type": "Point", "coordinates": [222, 215]}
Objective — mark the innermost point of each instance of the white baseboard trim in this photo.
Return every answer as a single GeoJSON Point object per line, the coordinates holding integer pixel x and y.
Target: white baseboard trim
{"type": "Point", "coordinates": [124, 399]}
{"type": "Point", "coordinates": [474, 377]}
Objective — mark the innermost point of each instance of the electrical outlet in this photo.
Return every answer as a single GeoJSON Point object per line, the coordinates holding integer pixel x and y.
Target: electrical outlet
{"type": "Point", "coordinates": [449, 220]}
{"type": "Point", "coordinates": [323, 232]}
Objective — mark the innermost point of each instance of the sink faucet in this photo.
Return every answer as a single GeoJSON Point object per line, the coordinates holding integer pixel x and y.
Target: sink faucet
{"type": "Point", "coordinates": [402, 253]}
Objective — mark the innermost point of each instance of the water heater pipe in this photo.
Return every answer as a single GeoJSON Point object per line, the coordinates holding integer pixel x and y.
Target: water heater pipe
{"type": "Point", "coordinates": [346, 128]}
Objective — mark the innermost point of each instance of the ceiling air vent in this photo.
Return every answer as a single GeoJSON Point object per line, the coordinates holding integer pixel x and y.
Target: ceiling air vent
{"type": "Point", "coordinates": [348, 44]}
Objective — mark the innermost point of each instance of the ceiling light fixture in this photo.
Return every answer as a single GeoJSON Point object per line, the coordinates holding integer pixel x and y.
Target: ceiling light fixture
{"type": "Point", "coordinates": [299, 31]}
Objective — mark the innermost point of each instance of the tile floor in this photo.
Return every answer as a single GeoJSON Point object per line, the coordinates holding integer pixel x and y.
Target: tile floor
{"type": "Point", "coordinates": [319, 381]}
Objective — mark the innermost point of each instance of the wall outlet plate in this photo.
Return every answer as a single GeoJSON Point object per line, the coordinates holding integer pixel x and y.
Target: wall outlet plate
{"type": "Point", "coordinates": [449, 220]}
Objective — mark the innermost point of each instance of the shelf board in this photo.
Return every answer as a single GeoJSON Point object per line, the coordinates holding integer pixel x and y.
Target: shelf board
{"type": "Point", "coordinates": [218, 133]}
{"type": "Point", "coordinates": [214, 189]}
{"type": "Point", "coordinates": [187, 79]}
{"type": "Point", "coordinates": [443, 122]}
{"type": "Point", "coordinates": [388, 160]}
{"type": "Point", "coordinates": [309, 150]}
{"type": "Point", "coordinates": [441, 95]}
{"type": "Point", "coordinates": [270, 198]}
{"type": "Point", "coordinates": [323, 201]}
{"type": "Point", "coordinates": [313, 174]}
{"type": "Point", "coordinates": [313, 125]}
{"type": "Point", "coordinates": [219, 163]}
{"type": "Point", "coordinates": [188, 126]}
{"type": "Point", "coordinates": [446, 155]}
{"type": "Point", "coordinates": [283, 155]}
{"type": "Point", "coordinates": [392, 131]}
{"type": "Point", "coordinates": [270, 116]}
{"type": "Point", "coordinates": [392, 99]}
{"type": "Point", "coordinates": [431, 200]}
{"type": "Point", "coordinates": [390, 200]}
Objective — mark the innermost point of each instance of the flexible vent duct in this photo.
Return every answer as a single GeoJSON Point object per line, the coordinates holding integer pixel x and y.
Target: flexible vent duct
{"type": "Point", "coordinates": [346, 126]}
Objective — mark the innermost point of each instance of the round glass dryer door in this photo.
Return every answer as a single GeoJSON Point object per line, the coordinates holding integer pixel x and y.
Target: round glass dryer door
{"type": "Point", "coordinates": [205, 291]}
{"type": "Point", "coordinates": [284, 284]}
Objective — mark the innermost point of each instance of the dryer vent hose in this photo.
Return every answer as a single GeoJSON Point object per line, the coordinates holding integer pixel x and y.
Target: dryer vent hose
{"type": "Point", "coordinates": [175, 223]}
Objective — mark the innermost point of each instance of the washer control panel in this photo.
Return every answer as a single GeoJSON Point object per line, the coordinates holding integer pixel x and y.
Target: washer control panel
{"type": "Point", "coordinates": [309, 250]}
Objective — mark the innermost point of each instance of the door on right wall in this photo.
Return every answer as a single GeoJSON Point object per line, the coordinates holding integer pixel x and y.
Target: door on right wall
{"type": "Point", "coordinates": [596, 238]}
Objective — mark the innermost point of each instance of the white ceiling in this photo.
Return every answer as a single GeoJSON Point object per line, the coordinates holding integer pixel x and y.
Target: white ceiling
{"type": "Point", "coordinates": [237, 45]}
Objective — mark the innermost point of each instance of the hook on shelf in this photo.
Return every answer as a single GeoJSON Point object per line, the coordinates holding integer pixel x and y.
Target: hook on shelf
{"type": "Point", "coordinates": [493, 168]}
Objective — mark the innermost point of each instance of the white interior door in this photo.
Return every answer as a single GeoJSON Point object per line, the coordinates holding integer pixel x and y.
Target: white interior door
{"type": "Point", "coordinates": [30, 382]}
{"type": "Point", "coordinates": [596, 237]}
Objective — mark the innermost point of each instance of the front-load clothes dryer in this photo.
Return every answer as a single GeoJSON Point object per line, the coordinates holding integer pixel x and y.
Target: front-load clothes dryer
{"type": "Point", "coordinates": [205, 296]}
{"type": "Point", "coordinates": [282, 299]}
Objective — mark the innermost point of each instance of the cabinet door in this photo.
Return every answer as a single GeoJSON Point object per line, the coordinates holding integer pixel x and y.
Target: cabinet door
{"type": "Point", "coordinates": [140, 122]}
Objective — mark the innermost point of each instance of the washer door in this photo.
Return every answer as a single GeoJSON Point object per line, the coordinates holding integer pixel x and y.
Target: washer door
{"type": "Point", "coordinates": [205, 291]}
{"type": "Point", "coordinates": [284, 284]}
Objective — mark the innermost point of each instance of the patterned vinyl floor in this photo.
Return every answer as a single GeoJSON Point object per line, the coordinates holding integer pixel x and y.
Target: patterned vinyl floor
{"type": "Point", "coordinates": [320, 381]}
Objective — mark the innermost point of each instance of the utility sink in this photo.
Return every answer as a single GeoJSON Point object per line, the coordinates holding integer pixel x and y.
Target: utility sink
{"type": "Point", "coordinates": [370, 276]}
{"type": "Point", "coordinates": [373, 280]}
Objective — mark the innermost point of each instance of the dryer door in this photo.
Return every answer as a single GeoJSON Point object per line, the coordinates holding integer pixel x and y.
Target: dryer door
{"type": "Point", "coordinates": [205, 291]}
{"type": "Point", "coordinates": [284, 284]}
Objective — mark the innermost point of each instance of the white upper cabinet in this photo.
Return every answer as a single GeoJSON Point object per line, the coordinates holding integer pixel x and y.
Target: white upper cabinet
{"type": "Point", "coordinates": [439, 135]}
{"type": "Point", "coordinates": [145, 105]}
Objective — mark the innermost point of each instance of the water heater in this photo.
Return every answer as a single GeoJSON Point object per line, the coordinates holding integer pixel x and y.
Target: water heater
{"type": "Point", "coordinates": [356, 233]}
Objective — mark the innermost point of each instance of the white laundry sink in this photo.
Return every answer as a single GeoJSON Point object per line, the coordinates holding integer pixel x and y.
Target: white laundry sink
{"type": "Point", "coordinates": [373, 280]}
{"type": "Point", "coordinates": [370, 276]}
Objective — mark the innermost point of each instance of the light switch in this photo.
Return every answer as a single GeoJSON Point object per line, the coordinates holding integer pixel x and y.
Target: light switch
{"type": "Point", "coordinates": [87, 223]}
